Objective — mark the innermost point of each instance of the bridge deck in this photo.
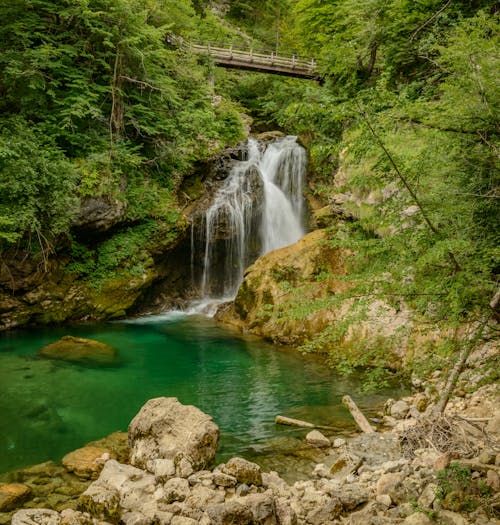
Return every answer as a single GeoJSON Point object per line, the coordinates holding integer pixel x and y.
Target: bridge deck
{"type": "Point", "coordinates": [237, 58]}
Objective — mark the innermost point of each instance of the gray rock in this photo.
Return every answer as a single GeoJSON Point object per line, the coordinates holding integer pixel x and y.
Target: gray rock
{"type": "Point", "coordinates": [176, 489]}
{"type": "Point", "coordinates": [339, 442]}
{"type": "Point", "coordinates": [36, 517]}
{"type": "Point", "coordinates": [99, 214]}
{"type": "Point", "coordinates": [418, 518]}
{"type": "Point", "coordinates": [317, 439]}
{"type": "Point", "coordinates": [392, 485]}
{"type": "Point", "coordinates": [166, 429]}
{"type": "Point", "coordinates": [447, 517]}
{"type": "Point", "coordinates": [244, 471]}
{"type": "Point", "coordinates": [231, 512]}
{"type": "Point", "coordinates": [399, 409]}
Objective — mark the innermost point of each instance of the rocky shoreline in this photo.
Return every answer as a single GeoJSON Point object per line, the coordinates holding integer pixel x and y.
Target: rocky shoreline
{"type": "Point", "coordinates": [380, 478]}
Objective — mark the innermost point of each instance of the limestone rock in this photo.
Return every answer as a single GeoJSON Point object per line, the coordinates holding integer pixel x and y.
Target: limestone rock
{"type": "Point", "coordinates": [166, 429]}
{"type": "Point", "coordinates": [79, 350]}
{"type": "Point", "coordinates": [101, 501]}
{"type": "Point", "coordinates": [284, 513]}
{"type": "Point", "coordinates": [428, 496]}
{"type": "Point", "coordinates": [87, 462]}
{"type": "Point", "coordinates": [399, 409]}
{"type": "Point", "coordinates": [417, 518]}
{"type": "Point", "coordinates": [12, 495]}
{"type": "Point", "coordinates": [447, 517]}
{"type": "Point", "coordinates": [36, 517]}
{"type": "Point", "coordinates": [231, 512]}
{"type": "Point", "coordinates": [176, 489]}
{"type": "Point", "coordinates": [99, 214]}
{"type": "Point", "coordinates": [391, 484]}
{"type": "Point", "coordinates": [317, 439]}
{"type": "Point", "coordinates": [224, 480]}
{"type": "Point", "coordinates": [244, 471]}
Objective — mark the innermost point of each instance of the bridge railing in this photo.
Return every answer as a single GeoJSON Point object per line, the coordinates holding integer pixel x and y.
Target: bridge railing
{"type": "Point", "coordinates": [250, 54]}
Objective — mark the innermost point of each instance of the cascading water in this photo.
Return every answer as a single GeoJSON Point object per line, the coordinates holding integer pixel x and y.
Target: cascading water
{"type": "Point", "coordinates": [259, 208]}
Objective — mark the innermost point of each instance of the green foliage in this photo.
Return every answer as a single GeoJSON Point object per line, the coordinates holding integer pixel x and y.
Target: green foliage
{"type": "Point", "coordinates": [405, 127]}
{"type": "Point", "coordinates": [459, 491]}
{"type": "Point", "coordinates": [37, 185]}
{"type": "Point", "coordinates": [97, 81]}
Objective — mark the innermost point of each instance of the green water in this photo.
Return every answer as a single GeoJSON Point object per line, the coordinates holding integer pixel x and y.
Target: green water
{"type": "Point", "coordinates": [48, 408]}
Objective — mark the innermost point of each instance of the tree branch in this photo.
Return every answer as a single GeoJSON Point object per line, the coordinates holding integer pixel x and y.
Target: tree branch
{"type": "Point", "coordinates": [428, 21]}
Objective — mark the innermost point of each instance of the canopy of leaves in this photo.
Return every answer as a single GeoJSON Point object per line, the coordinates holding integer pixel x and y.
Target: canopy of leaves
{"type": "Point", "coordinates": [98, 81]}
{"type": "Point", "coordinates": [410, 98]}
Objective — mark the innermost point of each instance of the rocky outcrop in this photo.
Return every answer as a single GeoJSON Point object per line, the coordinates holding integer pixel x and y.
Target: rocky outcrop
{"type": "Point", "coordinates": [99, 214]}
{"type": "Point", "coordinates": [80, 350]}
{"type": "Point", "coordinates": [168, 436]}
{"type": "Point", "coordinates": [305, 277]}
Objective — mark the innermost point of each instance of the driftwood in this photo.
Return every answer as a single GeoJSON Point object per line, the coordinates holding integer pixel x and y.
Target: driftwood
{"type": "Point", "coordinates": [358, 416]}
{"type": "Point", "coordinates": [282, 420]}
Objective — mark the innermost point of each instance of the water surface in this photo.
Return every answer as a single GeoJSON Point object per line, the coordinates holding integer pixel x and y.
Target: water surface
{"type": "Point", "coordinates": [49, 408]}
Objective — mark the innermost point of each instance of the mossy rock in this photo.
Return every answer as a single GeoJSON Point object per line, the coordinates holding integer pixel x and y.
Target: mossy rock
{"type": "Point", "coordinates": [79, 350]}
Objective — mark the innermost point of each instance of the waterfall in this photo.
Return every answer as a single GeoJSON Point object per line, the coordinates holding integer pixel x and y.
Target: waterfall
{"type": "Point", "coordinates": [258, 208]}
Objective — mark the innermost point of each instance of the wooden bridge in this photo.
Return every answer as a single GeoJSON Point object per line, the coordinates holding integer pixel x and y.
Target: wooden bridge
{"type": "Point", "coordinates": [247, 58]}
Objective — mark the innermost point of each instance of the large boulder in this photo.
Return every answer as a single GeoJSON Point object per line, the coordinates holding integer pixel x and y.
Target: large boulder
{"type": "Point", "coordinates": [309, 274]}
{"type": "Point", "coordinates": [166, 429]}
{"type": "Point", "coordinates": [79, 350]}
{"type": "Point", "coordinates": [99, 214]}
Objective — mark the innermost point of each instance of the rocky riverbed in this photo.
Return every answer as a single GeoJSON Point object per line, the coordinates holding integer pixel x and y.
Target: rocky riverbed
{"type": "Point", "coordinates": [386, 477]}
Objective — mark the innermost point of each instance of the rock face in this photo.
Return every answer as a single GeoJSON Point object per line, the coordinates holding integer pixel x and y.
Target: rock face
{"type": "Point", "coordinates": [164, 429]}
{"type": "Point", "coordinates": [267, 287]}
{"type": "Point", "coordinates": [99, 214]}
{"type": "Point", "coordinates": [79, 350]}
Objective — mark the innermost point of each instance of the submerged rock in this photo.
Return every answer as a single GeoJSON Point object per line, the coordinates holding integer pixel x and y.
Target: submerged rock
{"type": "Point", "coordinates": [80, 350]}
{"type": "Point", "coordinates": [87, 462]}
{"type": "Point", "coordinates": [12, 495]}
{"type": "Point", "coordinates": [166, 429]}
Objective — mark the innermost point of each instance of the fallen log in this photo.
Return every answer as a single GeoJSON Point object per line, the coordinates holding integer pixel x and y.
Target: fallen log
{"type": "Point", "coordinates": [358, 416]}
{"type": "Point", "coordinates": [283, 420]}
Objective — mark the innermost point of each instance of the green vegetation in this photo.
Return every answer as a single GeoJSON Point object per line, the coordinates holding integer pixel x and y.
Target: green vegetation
{"type": "Point", "coordinates": [94, 103]}
{"type": "Point", "coordinates": [406, 128]}
{"type": "Point", "coordinates": [99, 101]}
{"type": "Point", "coordinates": [459, 491]}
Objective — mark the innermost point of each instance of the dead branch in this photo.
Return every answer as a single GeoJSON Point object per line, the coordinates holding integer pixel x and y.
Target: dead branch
{"type": "Point", "coordinates": [429, 20]}
{"type": "Point", "coordinates": [358, 416]}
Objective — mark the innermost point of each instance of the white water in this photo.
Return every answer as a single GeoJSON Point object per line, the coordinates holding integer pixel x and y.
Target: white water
{"type": "Point", "coordinates": [259, 208]}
